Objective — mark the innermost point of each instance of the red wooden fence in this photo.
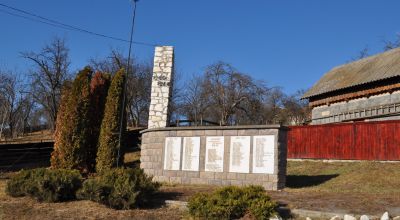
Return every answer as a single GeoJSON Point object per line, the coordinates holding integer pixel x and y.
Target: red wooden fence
{"type": "Point", "coordinates": [346, 141]}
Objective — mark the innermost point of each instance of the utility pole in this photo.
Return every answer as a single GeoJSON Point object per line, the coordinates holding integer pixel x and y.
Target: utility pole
{"type": "Point", "coordinates": [124, 89]}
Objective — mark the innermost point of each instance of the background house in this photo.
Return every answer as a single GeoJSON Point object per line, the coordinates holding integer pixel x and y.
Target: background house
{"type": "Point", "coordinates": [367, 89]}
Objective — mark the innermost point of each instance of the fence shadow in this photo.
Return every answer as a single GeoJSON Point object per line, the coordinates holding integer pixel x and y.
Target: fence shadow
{"type": "Point", "coordinates": [301, 181]}
{"type": "Point", "coordinates": [14, 157]}
{"type": "Point", "coordinates": [133, 164]}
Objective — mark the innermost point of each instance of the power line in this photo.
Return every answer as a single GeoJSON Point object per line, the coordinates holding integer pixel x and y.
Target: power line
{"type": "Point", "coordinates": [54, 23]}
{"type": "Point", "coordinates": [25, 17]}
{"type": "Point", "coordinates": [121, 128]}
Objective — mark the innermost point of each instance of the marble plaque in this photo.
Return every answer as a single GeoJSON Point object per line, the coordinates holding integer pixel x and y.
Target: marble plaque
{"type": "Point", "coordinates": [191, 153]}
{"type": "Point", "coordinates": [240, 154]}
{"type": "Point", "coordinates": [263, 154]}
{"type": "Point", "coordinates": [172, 153]}
{"type": "Point", "coordinates": [214, 154]}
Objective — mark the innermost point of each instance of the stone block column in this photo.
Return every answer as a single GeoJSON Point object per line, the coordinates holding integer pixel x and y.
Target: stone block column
{"type": "Point", "coordinates": [161, 87]}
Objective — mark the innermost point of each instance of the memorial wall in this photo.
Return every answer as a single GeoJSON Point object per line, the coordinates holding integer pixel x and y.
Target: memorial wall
{"type": "Point", "coordinates": [236, 155]}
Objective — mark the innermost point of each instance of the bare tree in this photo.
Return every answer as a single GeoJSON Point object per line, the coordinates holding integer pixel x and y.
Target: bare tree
{"type": "Point", "coordinates": [27, 109]}
{"type": "Point", "coordinates": [16, 106]}
{"type": "Point", "coordinates": [223, 95]}
{"type": "Point", "coordinates": [296, 111]}
{"type": "Point", "coordinates": [50, 71]}
{"type": "Point", "coordinates": [361, 54]}
{"type": "Point", "coordinates": [138, 84]}
{"type": "Point", "coordinates": [388, 45]}
{"type": "Point", "coordinates": [195, 101]}
{"type": "Point", "coordinates": [273, 106]}
{"type": "Point", "coordinates": [3, 102]}
{"type": "Point", "coordinates": [11, 102]}
{"type": "Point", "coordinates": [112, 63]}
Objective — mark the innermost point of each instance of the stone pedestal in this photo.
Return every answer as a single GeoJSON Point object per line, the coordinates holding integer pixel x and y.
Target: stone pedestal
{"type": "Point", "coordinates": [161, 87]}
{"type": "Point", "coordinates": [165, 154]}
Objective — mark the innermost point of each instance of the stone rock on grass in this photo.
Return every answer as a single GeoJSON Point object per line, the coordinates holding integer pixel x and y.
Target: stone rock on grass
{"type": "Point", "coordinates": [275, 218]}
{"type": "Point", "coordinates": [385, 216]}
{"type": "Point", "coordinates": [349, 217]}
{"type": "Point", "coordinates": [364, 217]}
{"type": "Point", "coordinates": [336, 218]}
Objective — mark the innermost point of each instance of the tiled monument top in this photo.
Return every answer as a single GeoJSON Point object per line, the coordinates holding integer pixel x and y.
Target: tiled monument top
{"type": "Point", "coordinates": [239, 127]}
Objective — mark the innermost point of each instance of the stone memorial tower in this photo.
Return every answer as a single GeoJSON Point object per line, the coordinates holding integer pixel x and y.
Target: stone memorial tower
{"type": "Point", "coordinates": [161, 87]}
{"type": "Point", "coordinates": [215, 155]}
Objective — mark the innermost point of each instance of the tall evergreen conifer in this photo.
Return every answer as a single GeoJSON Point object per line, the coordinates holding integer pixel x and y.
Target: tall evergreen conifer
{"type": "Point", "coordinates": [108, 145]}
{"type": "Point", "coordinates": [73, 128]}
{"type": "Point", "coordinates": [60, 141]}
{"type": "Point", "coordinates": [98, 90]}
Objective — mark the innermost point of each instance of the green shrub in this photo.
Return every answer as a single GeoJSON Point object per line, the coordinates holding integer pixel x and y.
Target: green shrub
{"type": "Point", "coordinates": [119, 188]}
{"type": "Point", "coordinates": [45, 185]}
{"type": "Point", "coordinates": [232, 202]}
{"type": "Point", "coordinates": [262, 208]}
{"type": "Point", "coordinates": [93, 190]}
{"type": "Point", "coordinates": [108, 145]}
{"type": "Point", "coordinates": [24, 182]}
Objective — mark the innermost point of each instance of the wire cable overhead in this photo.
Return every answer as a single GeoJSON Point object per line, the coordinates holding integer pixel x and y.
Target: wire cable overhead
{"type": "Point", "coordinates": [38, 18]}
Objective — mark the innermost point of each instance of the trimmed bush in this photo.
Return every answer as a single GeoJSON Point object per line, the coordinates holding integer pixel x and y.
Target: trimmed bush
{"type": "Point", "coordinates": [121, 188]}
{"type": "Point", "coordinates": [107, 153]}
{"type": "Point", "coordinates": [24, 182]}
{"type": "Point", "coordinates": [232, 202]}
{"type": "Point", "coordinates": [73, 128]}
{"type": "Point", "coordinates": [94, 190]}
{"type": "Point", "coordinates": [55, 185]}
{"type": "Point", "coordinates": [98, 94]}
{"type": "Point", "coordinates": [262, 208]}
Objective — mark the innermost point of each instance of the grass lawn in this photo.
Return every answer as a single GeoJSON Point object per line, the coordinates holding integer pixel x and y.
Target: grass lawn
{"type": "Point", "coordinates": [344, 187]}
{"type": "Point", "coordinates": [340, 177]}
{"type": "Point", "coordinates": [347, 187]}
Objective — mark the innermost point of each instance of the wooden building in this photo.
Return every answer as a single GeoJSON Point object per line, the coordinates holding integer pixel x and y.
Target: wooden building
{"type": "Point", "coordinates": [364, 90]}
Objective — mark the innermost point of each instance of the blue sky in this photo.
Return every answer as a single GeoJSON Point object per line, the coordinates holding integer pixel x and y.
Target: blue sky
{"type": "Point", "coordinates": [285, 43]}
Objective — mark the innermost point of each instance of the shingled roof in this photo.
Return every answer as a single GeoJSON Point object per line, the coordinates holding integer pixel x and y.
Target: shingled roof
{"type": "Point", "coordinates": [371, 69]}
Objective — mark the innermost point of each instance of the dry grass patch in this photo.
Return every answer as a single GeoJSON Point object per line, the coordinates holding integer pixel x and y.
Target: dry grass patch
{"type": "Point", "coordinates": [132, 159]}
{"type": "Point", "coordinates": [3, 184]}
{"type": "Point", "coordinates": [32, 137]}
{"type": "Point", "coordinates": [355, 177]}
{"type": "Point", "coordinates": [27, 208]}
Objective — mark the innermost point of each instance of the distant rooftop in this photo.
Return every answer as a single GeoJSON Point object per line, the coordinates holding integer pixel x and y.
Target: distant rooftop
{"type": "Point", "coordinates": [370, 69]}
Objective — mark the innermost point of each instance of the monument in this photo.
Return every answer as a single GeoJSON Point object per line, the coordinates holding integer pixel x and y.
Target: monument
{"type": "Point", "coordinates": [161, 87]}
{"type": "Point", "coordinates": [217, 155]}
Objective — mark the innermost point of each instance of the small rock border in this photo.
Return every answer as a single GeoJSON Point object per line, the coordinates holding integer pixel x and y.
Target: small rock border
{"type": "Point", "coordinates": [385, 216]}
{"type": "Point", "coordinates": [308, 214]}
